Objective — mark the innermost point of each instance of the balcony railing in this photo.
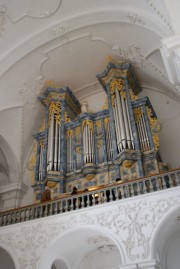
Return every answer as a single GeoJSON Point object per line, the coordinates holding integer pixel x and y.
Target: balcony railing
{"type": "Point", "coordinates": [109, 193]}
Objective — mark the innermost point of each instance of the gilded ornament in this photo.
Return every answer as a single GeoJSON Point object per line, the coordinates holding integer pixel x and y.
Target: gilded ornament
{"type": "Point", "coordinates": [55, 107]}
{"type": "Point", "coordinates": [99, 124]}
{"type": "Point", "coordinates": [67, 118]}
{"type": "Point", "coordinates": [78, 150]}
{"type": "Point", "coordinates": [106, 122]}
{"type": "Point", "coordinates": [155, 126]}
{"type": "Point", "coordinates": [31, 166]}
{"type": "Point", "coordinates": [128, 164]}
{"type": "Point", "coordinates": [69, 133]}
{"type": "Point", "coordinates": [138, 112]}
{"type": "Point", "coordinates": [116, 84]}
{"type": "Point", "coordinates": [133, 96]}
{"type": "Point", "coordinates": [51, 184]}
{"type": "Point", "coordinates": [77, 131]}
{"type": "Point", "coordinates": [89, 123]}
{"type": "Point", "coordinates": [42, 143]}
{"type": "Point", "coordinates": [119, 85]}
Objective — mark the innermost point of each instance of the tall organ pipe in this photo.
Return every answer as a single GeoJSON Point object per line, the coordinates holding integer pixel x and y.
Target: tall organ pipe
{"type": "Point", "coordinates": [59, 148]}
{"type": "Point", "coordinates": [55, 145]}
{"type": "Point", "coordinates": [146, 135]}
{"type": "Point", "coordinates": [126, 122]}
{"type": "Point", "coordinates": [129, 123]}
{"type": "Point", "coordinates": [118, 134]}
{"type": "Point", "coordinates": [50, 143]}
{"type": "Point", "coordinates": [121, 122]}
{"type": "Point", "coordinates": [85, 144]}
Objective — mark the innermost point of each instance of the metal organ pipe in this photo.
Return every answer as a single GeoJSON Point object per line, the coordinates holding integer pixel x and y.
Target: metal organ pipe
{"type": "Point", "coordinates": [40, 162]}
{"type": "Point", "coordinates": [121, 122]}
{"type": "Point", "coordinates": [146, 135]}
{"type": "Point", "coordinates": [51, 143]}
{"type": "Point", "coordinates": [55, 145]}
{"type": "Point", "coordinates": [88, 144]}
{"type": "Point", "coordinates": [129, 123]}
{"type": "Point", "coordinates": [84, 144]}
{"type": "Point", "coordinates": [118, 134]}
{"type": "Point", "coordinates": [59, 148]}
{"type": "Point", "coordinates": [126, 122]}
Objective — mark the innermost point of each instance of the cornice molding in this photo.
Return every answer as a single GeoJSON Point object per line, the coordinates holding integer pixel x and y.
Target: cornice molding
{"type": "Point", "coordinates": [44, 36]}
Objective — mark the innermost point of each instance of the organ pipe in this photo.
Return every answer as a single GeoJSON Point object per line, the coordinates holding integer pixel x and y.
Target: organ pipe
{"type": "Point", "coordinates": [88, 143]}
{"type": "Point", "coordinates": [121, 121]}
{"type": "Point", "coordinates": [59, 148]}
{"type": "Point", "coordinates": [55, 145]}
{"type": "Point", "coordinates": [129, 123]}
{"type": "Point", "coordinates": [126, 122]}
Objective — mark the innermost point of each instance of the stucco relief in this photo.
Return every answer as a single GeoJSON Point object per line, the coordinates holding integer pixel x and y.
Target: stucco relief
{"type": "Point", "coordinates": [31, 89]}
{"type": "Point", "coordinates": [33, 9]}
{"type": "Point", "coordinates": [132, 222]}
{"type": "Point", "coordinates": [136, 19]}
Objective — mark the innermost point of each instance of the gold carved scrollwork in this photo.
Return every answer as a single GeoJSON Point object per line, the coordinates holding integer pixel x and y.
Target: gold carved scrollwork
{"type": "Point", "coordinates": [67, 118]}
{"type": "Point", "coordinates": [99, 124]}
{"type": "Point", "coordinates": [69, 133]}
{"type": "Point", "coordinates": [106, 122]}
{"type": "Point", "coordinates": [55, 107]}
{"type": "Point", "coordinates": [155, 127]}
{"type": "Point", "coordinates": [119, 85]}
{"type": "Point", "coordinates": [133, 96]}
{"type": "Point", "coordinates": [138, 112]}
{"type": "Point", "coordinates": [89, 123]}
{"type": "Point", "coordinates": [77, 131]}
{"type": "Point", "coordinates": [51, 184]}
{"type": "Point", "coordinates": [31, 166]}
{"type": "Point", "coordinates": [78, 150]}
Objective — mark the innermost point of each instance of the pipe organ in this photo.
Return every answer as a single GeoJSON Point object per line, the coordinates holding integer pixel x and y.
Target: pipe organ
{"type": "Point", "coordinates": [85, 149]}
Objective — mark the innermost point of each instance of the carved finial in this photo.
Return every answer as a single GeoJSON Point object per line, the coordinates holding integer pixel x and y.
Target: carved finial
{"type": "Point", "coordinates": [84, 107]}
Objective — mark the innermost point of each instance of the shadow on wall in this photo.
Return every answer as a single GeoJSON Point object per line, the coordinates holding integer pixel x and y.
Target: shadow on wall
{"type": "Point", "coordinates": [9, 167]}
{"type": "Point", "coordinates": [6, 261]}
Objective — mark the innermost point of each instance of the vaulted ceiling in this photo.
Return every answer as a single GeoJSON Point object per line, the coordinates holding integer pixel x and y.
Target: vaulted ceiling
{"type": "Point", "coordinates": [69, 42]}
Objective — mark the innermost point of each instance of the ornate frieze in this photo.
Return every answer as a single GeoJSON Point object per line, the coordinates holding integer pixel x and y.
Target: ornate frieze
{"type": "Point", "coordinates": [132, 223]}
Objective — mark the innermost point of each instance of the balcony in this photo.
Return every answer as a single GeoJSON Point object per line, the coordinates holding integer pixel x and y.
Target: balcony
{"type": "Point", "coordinates": [98, 196]}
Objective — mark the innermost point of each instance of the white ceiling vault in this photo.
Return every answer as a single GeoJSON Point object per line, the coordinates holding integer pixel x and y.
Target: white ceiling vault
{"type": "Point", "coordinates": [69, 42]}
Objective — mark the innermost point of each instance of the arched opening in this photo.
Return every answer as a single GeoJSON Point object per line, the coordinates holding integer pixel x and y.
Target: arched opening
{"type": "Point", "coordinates": [6, 260]}
{"type": "Point", "coordinates": [8, 162]}
{"type": "Point", "coordinates": [166, 242]}
{"type": "Point", "coordinates": [83, 248]}
{"type": "Point", "coordinates": [59, 264]}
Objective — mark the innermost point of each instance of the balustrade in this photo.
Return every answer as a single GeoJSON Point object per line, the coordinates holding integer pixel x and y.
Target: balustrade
{"type": "Point", "coordinates": [113, 192]}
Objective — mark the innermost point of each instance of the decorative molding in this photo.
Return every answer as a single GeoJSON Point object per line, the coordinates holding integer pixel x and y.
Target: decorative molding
{"type": "Point", "coordinates": [58, 30]}
{"type": "Point", "coordinates": [68, 27]}
{"type": "Point", "coordinates": [88, 90]}
{"type": "Point", "coordinates": [26, 9]}
{"type": "Point", "coordinates": [132, 222]}
{"type": "Point", "coordinates": [136, 19]}
{"type": "Point", "coordinates": [3, 10]}
{"type": "Point", "coordinates": [134, 55]}
{"type": "Point", "coordinates": [160, 15]}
